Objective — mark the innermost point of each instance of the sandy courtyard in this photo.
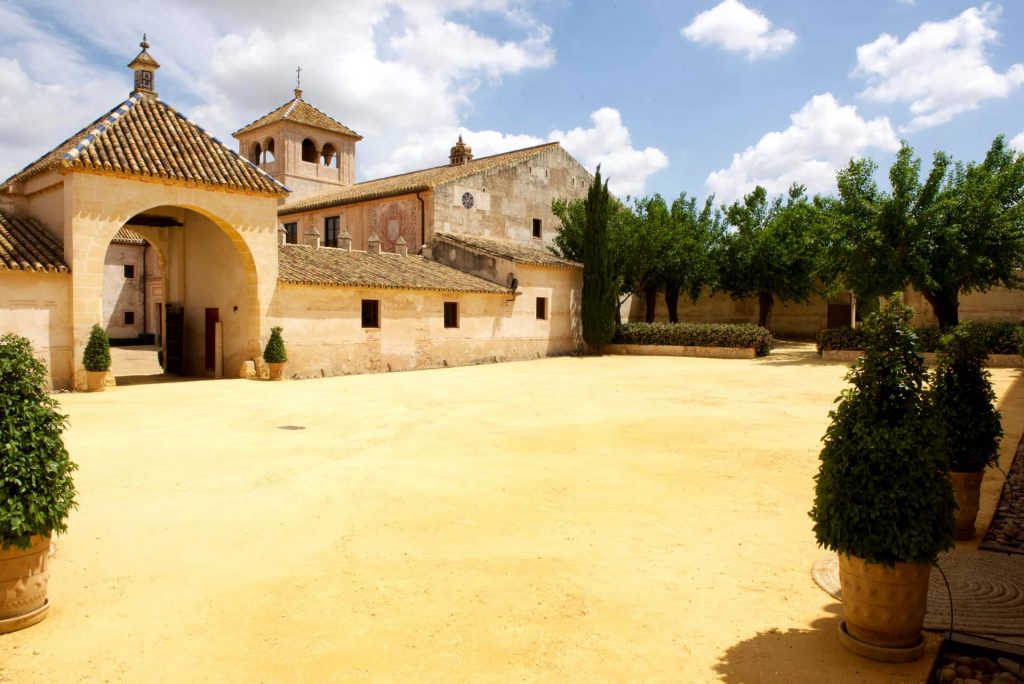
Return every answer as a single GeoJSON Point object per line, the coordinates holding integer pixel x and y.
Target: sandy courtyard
{"type": "Point", "coordinates": [563, 520]}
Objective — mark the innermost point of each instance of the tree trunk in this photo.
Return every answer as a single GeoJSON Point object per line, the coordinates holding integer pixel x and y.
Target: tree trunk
{"type": "Point", "coordinates": [672, 301]}
{"type": "Point", "coordinates": [650, 302]}
{"type": "Point", "coordinates": [765, 302]}
{"type": "Point", "coordinates": [946, 307]}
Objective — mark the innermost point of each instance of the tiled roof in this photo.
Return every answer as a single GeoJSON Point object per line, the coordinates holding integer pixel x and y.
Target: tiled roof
{"type": "Point", "coordinates": [25, 245]}
{"type": "Point", "coordinates": [414, 181]}
{"type": "Point", "coordinates": [128, 237]}
{"type": "Point", "coordinates": [331, 266]}
{"type": "Point", "coordinates": [300, 111]}
{"type": "Point", "coordinates": [145, 137]}
{"type": "Point", "coordinates": [507, 249]}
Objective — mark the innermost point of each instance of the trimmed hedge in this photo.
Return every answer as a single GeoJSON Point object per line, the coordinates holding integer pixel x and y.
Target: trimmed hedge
{"type": "Point", "coordinates": [1000, 338]}
{"type": "Point", "coordinates": [744, 336]}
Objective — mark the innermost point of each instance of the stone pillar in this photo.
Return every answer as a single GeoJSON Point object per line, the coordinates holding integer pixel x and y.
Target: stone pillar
{"type": "Point", "coordinates": [313, 237]}
{"type": "Point", "coordinates": [401, 246]}
{"type": "Point", "coordinates": [373, 244]}
{"type": "Point", "coordinates": [345, 241]}
{"type": "Point", "coordinates": [282, 236]}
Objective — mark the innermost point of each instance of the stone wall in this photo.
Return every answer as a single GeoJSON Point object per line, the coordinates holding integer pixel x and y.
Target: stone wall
{"type": "Point", "coordinates": [35, 305]}
{"type": "Point", "coordinates": [122, 294]}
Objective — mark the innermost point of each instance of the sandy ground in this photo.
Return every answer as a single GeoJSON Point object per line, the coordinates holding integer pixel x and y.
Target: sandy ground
{"type": "Point", "coordinates": [571, 519]}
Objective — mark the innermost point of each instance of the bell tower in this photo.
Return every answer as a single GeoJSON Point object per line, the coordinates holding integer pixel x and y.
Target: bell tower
{"type": "Point", "coordinates": [145, 68]}
{"type": "Point", "coordinates": [460, 153]}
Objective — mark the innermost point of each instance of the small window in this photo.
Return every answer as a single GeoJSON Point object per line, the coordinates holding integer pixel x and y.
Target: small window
{"type": "Point", "coordinates": [331, 230]}
{"type": "Point", "coordinates": [371, 313]}
{"type": "Point", "coordinates": [309, 151]}
{"type": "Point", "coordinates": [537, 223]}
{"type": "Point", "coordinates": [129, 318]}
{"type": "Point", "coordinates": [291, 233]}
{"type": "Point", "coordinates": [451, 314]}
{"type": "Point", "coordinates": [129, 270]}
{"type": "Point", "coordinates": [542, 308]}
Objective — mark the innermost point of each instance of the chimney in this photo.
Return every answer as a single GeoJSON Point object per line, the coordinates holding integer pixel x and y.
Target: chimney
{"type": "Point", "coordinates": [373, 244]}
{"type": "Point", "coordinates": [401, 246]}
{"type": "Point", "coordinates": [345, 241]}
{"type": "Point", "coordinates": [313, 237]}
{"type": "Point", "coordinates": [427, 251]}
{"type": "Point", "coordinates": [282, 235]}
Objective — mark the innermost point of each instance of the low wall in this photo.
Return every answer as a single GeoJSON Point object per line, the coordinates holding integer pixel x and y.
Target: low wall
{"type": "Point", "coordinates": [994, 360]}
{"type": "Point", "coordinates": [676, 350]}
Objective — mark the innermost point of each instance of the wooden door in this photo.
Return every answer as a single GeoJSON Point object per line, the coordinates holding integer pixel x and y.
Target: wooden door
{"type": "Point", "coordinates": [212, 318]}
{"type": "Point", "coordinates": [175, 338]}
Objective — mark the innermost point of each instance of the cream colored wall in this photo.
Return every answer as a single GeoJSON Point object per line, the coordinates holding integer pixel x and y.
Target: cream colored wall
{"type": "Point", "coordinates": [998, 305]}
{"type": "Point", "coordinates": [122, 294]}
{"type": "Point", "coordinates": [44, 201]}
{"type": "Point", "coordinates": [388, 218]}
{"type": "Point", "coordinates": [324, 336]}
{"type": "Point", "coordinates": [788, 319]}
{"type": "Point", "coordinates": [96, 206]}
{"type": "Point", "coordinates": [507, 199]}
{"type": "Point", "coordinates": [36, 306]}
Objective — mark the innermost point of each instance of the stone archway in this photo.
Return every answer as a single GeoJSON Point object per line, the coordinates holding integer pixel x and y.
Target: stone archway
{"type": "Point", "coordinates": [212, 258]}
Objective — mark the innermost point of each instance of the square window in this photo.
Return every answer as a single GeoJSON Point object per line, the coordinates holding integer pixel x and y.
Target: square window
{"type": "Point", "coordinates": [371, 313]}
{"type": "Point", "coordinates": [129, 270]}
{"type": "Point", "coordinates": [542, 308]}
{"type": "Point", "coordinates": [537, 228]}
{"type": "Point", "coordinates": [332, 228]}
{"type": "Point", "coordinates": [291, 233]}
{"type": "Point", "coordinates": [129, 318]}
{"type": "Point", "coordinates": [451, 314]}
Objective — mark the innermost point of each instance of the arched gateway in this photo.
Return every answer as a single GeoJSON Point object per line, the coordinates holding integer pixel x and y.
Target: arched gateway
{"type": "Point", "coordinates": [211, 213]}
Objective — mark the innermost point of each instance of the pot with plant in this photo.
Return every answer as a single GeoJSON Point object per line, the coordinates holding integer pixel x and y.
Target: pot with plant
{"type": "Point", "coordinates": [883, 500]}
{"type": "Point", "coordinates": [274, 353]}
{"type": "Point", "coordinates": [966, 420]}
{"type": "Point", "coordinates": [36, 489]}
{"type": "Point", "coordinates": [96, 359]}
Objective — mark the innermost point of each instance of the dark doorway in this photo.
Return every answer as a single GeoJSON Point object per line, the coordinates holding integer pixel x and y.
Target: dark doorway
{"type": "Point", "coordinates": [212, 318]}
{"type": "Point", "coordinates": [839, 309]}
{"type": "Point", "coordinates": [175, 337]}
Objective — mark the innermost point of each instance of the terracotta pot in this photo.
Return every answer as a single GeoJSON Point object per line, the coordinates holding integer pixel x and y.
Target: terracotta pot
{"type": "Point", "coordinates": [884, 607]}
{"type": "Point", "coordinates": [23, 577]}
{"type": "Point", "coordinates": [967, 489]}
{"type": "Point", "coordinates": [96, 381]}
{"type": "Point", "coordinates": [276, 371]}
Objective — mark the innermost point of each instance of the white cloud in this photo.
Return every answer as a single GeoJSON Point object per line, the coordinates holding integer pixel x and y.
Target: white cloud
{"type": "Point", "coordinates": [386, 68]}
{"type": "Point", "coordinates": [607, 143]}
{"type": "Point", "coordinates": [824, 135]}
{"type": "Point", "coordinates": [941, 69]}
{"type": "Point", "coordinates": [734, 26]}
{"type": "Point", "coordinates": [1018, 142]}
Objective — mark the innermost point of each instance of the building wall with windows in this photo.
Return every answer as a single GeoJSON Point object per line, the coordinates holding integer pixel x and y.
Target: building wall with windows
{"type": "Point", "coordinates": [124, 290]}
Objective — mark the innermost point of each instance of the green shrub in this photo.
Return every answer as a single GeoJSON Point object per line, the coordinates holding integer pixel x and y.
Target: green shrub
{"type": "Point", "coordinates": [743, 336]}
{"type": "Point", "coordinates": [882, 492]}
{"type": "Point", "coordinates": [998, 338]}
{"type": "Point", "coordinates": [36, 489]}
{"type": "Point", "coordinates": [274, 352]}
{"type": "Point", "coordinates": [963, 402]}
{"type": "Point", "coordinates": [1019, 334]}
{"type": "Point", "coordinates": [97, 351]}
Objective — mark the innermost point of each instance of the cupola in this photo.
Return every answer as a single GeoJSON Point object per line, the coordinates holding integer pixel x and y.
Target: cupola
{"type": "Point", "coordinates": [461, 153]}
{"type": "Point", "coordinates": [145, 68]}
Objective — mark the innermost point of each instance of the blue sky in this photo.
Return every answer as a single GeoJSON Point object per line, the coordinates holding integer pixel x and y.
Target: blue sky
{"type": "Point", "coordinates": [695, 96]}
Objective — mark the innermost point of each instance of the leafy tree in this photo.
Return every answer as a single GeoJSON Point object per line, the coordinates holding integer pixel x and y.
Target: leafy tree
{"type": "Point", "coordinates": [688, 264]}
{"type": "Point", "coordinates": [599, 286]}
{"type": "Point", "coordinates": [647, 241]}
{"type": "Point", "coordinates": [773, 252]}
{"type": "Point", "coordinates": [958, 231]}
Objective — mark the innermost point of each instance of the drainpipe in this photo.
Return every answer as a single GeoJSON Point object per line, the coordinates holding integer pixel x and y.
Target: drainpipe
{"type": "Point", "coordinates": [423, 220]}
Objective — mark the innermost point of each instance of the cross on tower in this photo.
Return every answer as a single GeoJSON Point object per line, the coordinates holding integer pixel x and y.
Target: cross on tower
{"type": "Point", "coordinates": [298, 77]}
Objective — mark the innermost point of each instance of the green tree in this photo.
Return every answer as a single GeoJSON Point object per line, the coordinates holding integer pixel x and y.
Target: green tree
{"type": "Point", "coordinates": [959, 230]}
{"type": "Point", "coordinates": [689, 264]}
{"type": "Point", "coordinates": [599, 287]}
{"type": "Point", "coordinates": [773, 252]}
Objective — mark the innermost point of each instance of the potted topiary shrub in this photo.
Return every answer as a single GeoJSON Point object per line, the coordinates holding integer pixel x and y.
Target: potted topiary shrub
{"type": "Point", "coordinates": [883, 500]}
{"type": "Point", "coordinates": [274, 353]}
{"type": "Point", "coordinates": [36, 490]}
{"type": "Point", "coordinates": [967, 421]}
{"type": "Point", "coordinates": [96, 359]}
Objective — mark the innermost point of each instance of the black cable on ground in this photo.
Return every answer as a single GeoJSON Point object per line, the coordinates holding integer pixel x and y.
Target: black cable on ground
{"type": "Point", "coordinates": [949, 593]}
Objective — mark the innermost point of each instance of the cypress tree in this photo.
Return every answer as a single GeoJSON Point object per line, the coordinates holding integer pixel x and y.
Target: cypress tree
{"type": "Point", "coordinates": [598, 299]}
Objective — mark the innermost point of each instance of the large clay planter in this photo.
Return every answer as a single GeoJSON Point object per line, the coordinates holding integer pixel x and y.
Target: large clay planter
{"type": "Point", "coordinates": [884, 607]}
{"type": "Point", "coordinates": [23, 577]}
{"type": "Point", "coordinates": [276, 371]}
{"type": "Point", "coordinates": [96, 381]}
{"type": "Point", "coordinates": [967, 489]}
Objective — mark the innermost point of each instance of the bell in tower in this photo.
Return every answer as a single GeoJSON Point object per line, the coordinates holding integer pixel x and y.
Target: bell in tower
{"type": "Point", "coordinates": [145, 68]}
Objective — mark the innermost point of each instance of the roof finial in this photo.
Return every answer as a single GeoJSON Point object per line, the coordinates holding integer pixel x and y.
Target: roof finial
{"type": "Point", "coordinates": [144, 45]}
{"type": "Point", "coordinates": [298, 83]}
